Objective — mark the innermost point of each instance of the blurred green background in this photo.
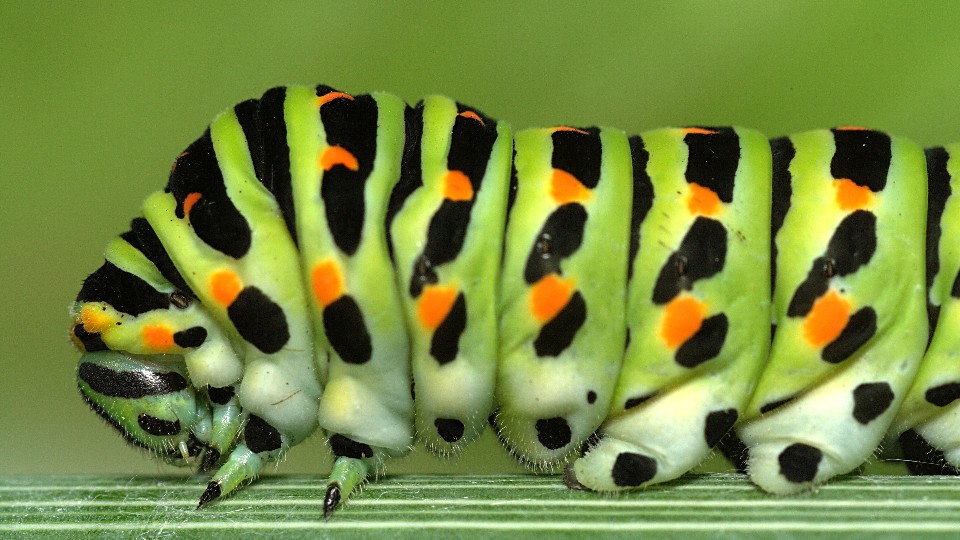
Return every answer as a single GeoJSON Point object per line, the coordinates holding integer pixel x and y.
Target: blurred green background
{"type": "Point", "coordinates": [96, 99]}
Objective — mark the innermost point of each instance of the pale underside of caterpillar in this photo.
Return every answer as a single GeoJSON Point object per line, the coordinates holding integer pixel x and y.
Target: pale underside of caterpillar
{"type": "Point", "coordinates": [616, 303]}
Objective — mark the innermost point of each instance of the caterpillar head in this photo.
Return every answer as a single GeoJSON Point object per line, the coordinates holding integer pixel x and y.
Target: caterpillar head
{"type": "Point", "coordinates": [152, 404]}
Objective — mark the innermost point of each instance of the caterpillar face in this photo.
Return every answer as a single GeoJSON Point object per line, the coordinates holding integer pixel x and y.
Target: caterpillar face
{"type": "Point", "coordinates": [621, 304]}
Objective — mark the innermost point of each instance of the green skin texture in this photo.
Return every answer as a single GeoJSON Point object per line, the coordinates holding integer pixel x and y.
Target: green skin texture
{"type": "Point", "coordinates": [497, 369]}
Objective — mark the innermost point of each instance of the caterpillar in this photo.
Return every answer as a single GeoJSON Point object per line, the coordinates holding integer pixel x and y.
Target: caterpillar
{"type": "Point", "coordinates": [613, 305]}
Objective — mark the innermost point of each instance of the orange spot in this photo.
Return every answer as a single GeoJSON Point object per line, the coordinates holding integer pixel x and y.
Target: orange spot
{"type": "Point", "coordinates": [682, 318]}
{"type": "Point", "coordinates": [850, 196]}
{"type": "Point", "coordinates": [190, 200]}
{"type": "Point", "coordinates": [457, 187]}
{"type": "Point", "coordinates": [851, 128]}
{"type": "Point", "coordinates": [827, 319]}
{"type": "Point", "coordinates": [435, 305]}
{"type": "Point", "coordinates": [95, 319]}
{"type": "Point", "coordinates": [225, 285]}
{"type": "Point", "coordinates": [568, 128]}
{"type": "Point", "coordinates": [703, 201]}
{"type": "Point", "coordinates": [473, 116]}
{"type": "Point", "coordinates": [330, 96]}
{"type": "Point", "coordinates": [698, 131]}
{"type": "Point", "coordinates": [158, 337]}
{"type": "Point", "coordinates": [549, 296]}
{"type": "Point", "coordinates": [564, 188]}
{"type": "Point", "coordinates": [327, 282]}
{"type": "Point", "coordinates": [337, 155]}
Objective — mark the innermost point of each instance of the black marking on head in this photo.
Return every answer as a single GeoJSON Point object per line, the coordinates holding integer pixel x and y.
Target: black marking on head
{"type": "Point", "coordinates": [702, 254]}
{"type": "Point", "coordinates": [943, 395]}
{"type": "Point", "coordinates": [220, 396]}
{"type": "Point", "coordinates": [122, 290]}
{"type": "Point", "coordinates": [776, 404]}
{"type": "Point", "coordinates": [214, 218]}
{"type": "Point", "coordinates": [578, 154]}
{"type": "Point", "coordinates": [863, 156]}
{"type": "Point", "coordinates": [859, 329]}
{"type": "Point", "coordinates": [712, 160]}
{"type": "Point", "coordinates": [191, 337]}
{"type": "Point", "coordinates": [870, 400]}
{"type": "Point", "coordinates": [347, 331]}
{"type": "Point", "coordinates": [631, 469]}
{"type": "Point", "coordinates": [705, 344]}
{"type": "Point", "coordinates": [718, 424]}
{"type": "Point", "coordinates": [851, 246]}
{"type": "Point", "coordinates": [259, 320]}
{"type": "Point", "coordinates": [449, 429]}
{"type": "Point", "coordinates": [158, 426]}
{"type": "Point", "coordinates": [642, 197]}
{"type": "Point", "coordinates": [783, 153]}
{"type": "Point", "coordinates": [445, 237]}
{"type": "Point", "coordinates": [274, 171]}
{"type": "Point", "coordinates": [921, 458]}
{"type": "Point", "coordinates": [938, 191]}
{"type": "Point", "coordinates": [558, 333]}
{"type": "Point", "coordinates": [560, 237]}
{"type": "Point", "coordinates": [553, 433]}
{"type": "Point", "coordinates": [130, 384]}
{"type": "Point", "coordinates": [799, 462]}
{"type": "Point", "coordinates": [347, 447]}
{"type": "Point", "coordinates": [142, 236]}
{"type": "Point", "coordinates": [591, 397]}
{"type": "Point", "coordinates": [352, 125]}
{"type": "Point", "coordinates": [411, 169]}
{"type": "Point", "coordinates": [90, 342]}
{"type": "Point", "coordinates": [259, 436]}
{"type": "Point", "coordinates": [445, 344]}
{"type": "Point", "coordinates": [634, 401]}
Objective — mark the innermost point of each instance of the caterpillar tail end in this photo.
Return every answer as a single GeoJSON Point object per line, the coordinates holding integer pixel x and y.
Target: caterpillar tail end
{"type": "Point", "coordinates": [347, 474]}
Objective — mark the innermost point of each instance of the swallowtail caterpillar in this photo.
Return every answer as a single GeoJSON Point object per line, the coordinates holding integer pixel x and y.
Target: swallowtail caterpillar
{"type": "Point", "coordinates": [618, 304]}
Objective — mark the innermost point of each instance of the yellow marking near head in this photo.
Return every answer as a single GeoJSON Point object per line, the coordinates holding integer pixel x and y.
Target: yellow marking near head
{"type": "Point", "coordinates": [826, 319]}
{"type": "Point", "coordinates": [566, 188]}
{"type": "Point", "coordinates": [337, 155]}
{"type": "Point", "coordinates": [158, 337]}
{"type": "Point", "coordinates": [851, 196]}
{"type": "Point", "coordinates": [435, 304]}
{"type": "Point", "coordinates": [225, 286]}
{"type": "Point", "coordinates": [327, 282]}
{"type": "Point", "coordinates": [330, 96]}
{"type": "Point", "coordinates": [568, 128]}
{"type": "Point", "coordinates": [457, 186]}
{"type": "Point", "coordinates": [96, 318]}
{"type": "Point", "coordinates": [702, 201]}
{"type": "Point", "coordinates": [190, 200]}
{"type": "Point", "coordinates": [682, 319]}
{"type": "Point", "coordinates": [473, 116]}
{"type": "Point", "coordinates": [549, 296]}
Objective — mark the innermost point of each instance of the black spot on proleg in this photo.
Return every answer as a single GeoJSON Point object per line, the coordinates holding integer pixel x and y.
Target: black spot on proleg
{"type": "Point", "coordinates": [943, 395]}
{"type": "Point", "coordinates": [921, 458]}
{"type": "Point", "coordinates": [591, 397]}
{"type": "Point", "coordinates": [347, 331]}
{"type": "Point", "coordinates": [718, 424]}
{"type": "Point", "coordinates": [130, 384]}
{"type": "Point", "coordinates": [220, 396]}
{"type": "Point", "coordinates": [346, 447]}
{"type": "Point", "coordinates": [259, 320]}
{"type": "Point", "coordinates": [259, 436]}
{"type": "Point", "coordinates": [631, 469]}
{"type": "Point", "coordinates": [799, 462]}
{"type": "Point", "coordinates": [553, 433]}
{"type": "Point", "coordinates": [634, 401]}
{"type": "Point", "coordinates": [870, 400]}
{"type": "Point", "coordinates": [191, 337]}
{"type": "Point", "coordinates": [449, 429]}
{"type": "Point", "coordinates": [158, 426]}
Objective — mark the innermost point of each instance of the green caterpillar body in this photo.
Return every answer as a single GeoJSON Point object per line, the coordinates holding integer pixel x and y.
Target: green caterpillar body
{"type": "Point", "coordinates": [395, 274]}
